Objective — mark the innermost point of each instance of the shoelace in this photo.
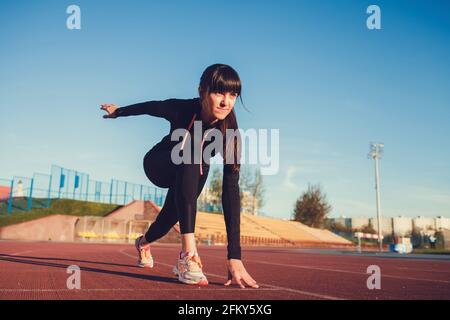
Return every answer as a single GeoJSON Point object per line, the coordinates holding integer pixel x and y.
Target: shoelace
{"type": "Point", "coordinates": [194, 263]}
{"type": "Point", "coordinates": [145, 253]}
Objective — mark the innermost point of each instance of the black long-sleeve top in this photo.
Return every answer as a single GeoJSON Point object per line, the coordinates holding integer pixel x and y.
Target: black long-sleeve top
{"type": "Point", "coordinates": [180, 113]}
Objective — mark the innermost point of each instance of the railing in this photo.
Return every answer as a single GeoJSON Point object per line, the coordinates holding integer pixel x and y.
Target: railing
{"type": "Point", "coordinates": [221, 239]}
{"type": "Point", "coordinates": [38, 191]}
{"type": "Point", "coordinates": [361, 235]}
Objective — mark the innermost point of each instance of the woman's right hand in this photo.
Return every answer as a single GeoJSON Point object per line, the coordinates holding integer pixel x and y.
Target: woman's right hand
{"type": "Point", "coordinates": [110, 109]}
{"type": "Point", "coordinates": [238, 274]}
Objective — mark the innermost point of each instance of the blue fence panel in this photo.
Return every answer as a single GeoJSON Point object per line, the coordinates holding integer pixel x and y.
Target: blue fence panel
{"type": "Point", "coordinates": [97, 191]}
{"type": "Point", "coordinates": [41, 190]}
{"type": "Point", "coordinates": [69, 184]}
{"type": "Point", "coordinates": [158, 196]}
{"type": "Point", "coordinates": [22, 193]}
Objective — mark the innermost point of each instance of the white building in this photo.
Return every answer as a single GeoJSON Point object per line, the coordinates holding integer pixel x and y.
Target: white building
{"type": "Point", "coordinates": [346, 222]}
{"type": "Point", "coordinates": [386, 225]}
{"type": "Point", "coordinates": [442, 223]}
{"type": "Point", "coordinates": [402, 226]}
{"type": "Point", "coordinates": [399, 226]}
{"type": "Point", "coordinates": [359, 222]}
{"type": "Point", "coordinates": [19, 190]}
{"type": "Point", "coordinates": [423, 223]}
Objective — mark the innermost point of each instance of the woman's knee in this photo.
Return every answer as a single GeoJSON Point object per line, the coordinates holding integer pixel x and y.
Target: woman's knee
{"type": "Point", "coordinates": [158, 170]}
{"type": "Point", "coordinates": [187, 181]}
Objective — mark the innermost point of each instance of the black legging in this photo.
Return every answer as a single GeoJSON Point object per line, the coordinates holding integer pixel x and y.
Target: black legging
{"type": "Point", "coordinates": [185, 185]}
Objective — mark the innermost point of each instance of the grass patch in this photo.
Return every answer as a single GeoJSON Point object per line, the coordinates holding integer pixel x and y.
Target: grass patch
{"type": "Point", "coordinates": [432, 251]}
{"type": "Point", "coordinates": [57, 206]}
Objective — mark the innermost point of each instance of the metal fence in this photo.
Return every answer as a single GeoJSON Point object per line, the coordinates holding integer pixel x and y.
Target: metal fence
{"type": "Point", "coordinates": [24, 193]}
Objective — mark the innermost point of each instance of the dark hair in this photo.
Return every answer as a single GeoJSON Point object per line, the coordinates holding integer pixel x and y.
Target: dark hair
{"type": "Point", "coordinates": [223, 78]}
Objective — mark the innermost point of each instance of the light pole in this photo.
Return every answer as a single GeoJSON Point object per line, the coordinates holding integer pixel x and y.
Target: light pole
{"type": "Point", "coordinates": [376, 151]}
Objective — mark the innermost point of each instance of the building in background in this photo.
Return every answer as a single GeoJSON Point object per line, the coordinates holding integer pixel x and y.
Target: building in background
{"type": "Point", "coordinates": [402, 226]}
{"type": "Point", "coordinates": [386, 225]}
{"type": "Point", "coordinates": [423, 223]}
{"type": "Point", "coordinates": [19, 191]}
{"type": "Point", "coordinates": [359, 222]}
{"type": "Point", "coordinates": [397, 226]}
{"type": "Point", "coordinates": [442, 223]}
{"type": "Point", "coordinates": [343, 221]}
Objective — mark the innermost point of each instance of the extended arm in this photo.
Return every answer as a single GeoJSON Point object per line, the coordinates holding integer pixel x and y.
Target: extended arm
{"type": "Point", "coordinates": [232, 213]}
{"type": "Point", "coordinates": [167, 109]}
{"type": "Point", "coordinates": [231, 203]}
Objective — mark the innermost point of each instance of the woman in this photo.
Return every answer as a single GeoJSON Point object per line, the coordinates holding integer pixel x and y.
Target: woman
{"type": "Point", "coordinates": [219, 88]}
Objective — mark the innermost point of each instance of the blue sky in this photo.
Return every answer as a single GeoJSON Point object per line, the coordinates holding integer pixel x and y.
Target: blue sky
{"type": "Point", "coordinates": [311, 69]}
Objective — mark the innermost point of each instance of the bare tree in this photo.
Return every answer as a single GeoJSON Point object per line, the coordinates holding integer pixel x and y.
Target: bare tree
{"type": "Point", "coordinates": [215, 188]}
{"type": "Point", "coordinates": [252, 183]}
{"type": "Point", "coordinates": [245, 182]}
{"type": "Point", "coordinates": [258, 191]}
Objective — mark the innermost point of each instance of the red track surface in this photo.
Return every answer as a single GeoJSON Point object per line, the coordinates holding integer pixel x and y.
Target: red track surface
{"type": "Point", "coordinates": [108, 271]}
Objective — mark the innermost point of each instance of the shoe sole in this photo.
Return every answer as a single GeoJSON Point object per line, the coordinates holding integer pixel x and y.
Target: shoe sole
{"type": "Point", "coordinates": [149, 266]}
{"type": "Point", "coordinates": [190, 282]}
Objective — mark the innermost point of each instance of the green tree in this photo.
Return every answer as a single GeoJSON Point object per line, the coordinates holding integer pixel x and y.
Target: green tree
{"type": "Point", "coordinates": [311, 208]}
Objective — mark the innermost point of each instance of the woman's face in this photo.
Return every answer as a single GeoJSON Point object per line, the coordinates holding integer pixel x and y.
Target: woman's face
{"type": "Point", "coordinates": [218, 105]}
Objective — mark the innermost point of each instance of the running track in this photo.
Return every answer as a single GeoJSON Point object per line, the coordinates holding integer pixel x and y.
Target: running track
{"type": "Point", "coordinates": [39, 271]}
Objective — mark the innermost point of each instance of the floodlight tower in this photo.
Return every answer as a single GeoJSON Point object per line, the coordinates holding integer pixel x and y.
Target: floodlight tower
{"type": "Point", "coordinates": [376, 151]}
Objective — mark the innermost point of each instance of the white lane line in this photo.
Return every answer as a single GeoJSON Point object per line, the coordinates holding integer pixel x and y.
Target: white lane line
{"type": "Point", "coordinates": [424, 270]}
{"type": "Point", "coordinates": [355, 265]}
{"type": "Point", "coordinates": [316, 295]}
{"type": "Point", "coordinates": [20, 252]}
{"type": "Point", "coordinates": [351, 272]}
{"type": "Point", "coordinates": [127, 290]}
{"type": "Point", "coordinates": [339, 271]}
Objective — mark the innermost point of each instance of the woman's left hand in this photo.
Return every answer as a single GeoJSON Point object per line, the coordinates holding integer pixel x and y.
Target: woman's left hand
{"type": "Point", "coordinates": [238, 274]}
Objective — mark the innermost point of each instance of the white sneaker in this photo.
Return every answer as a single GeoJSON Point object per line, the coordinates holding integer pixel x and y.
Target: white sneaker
{"type": "Point", "coordinates": [145, 259]}
{"type": "Point", "coordinates": [189, 270]}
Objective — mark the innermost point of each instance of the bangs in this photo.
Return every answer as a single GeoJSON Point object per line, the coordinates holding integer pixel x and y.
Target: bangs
{"type": "Point", "coordinates": [226, 82]}
{"type": "Point", "coordinates": [223, 79]}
